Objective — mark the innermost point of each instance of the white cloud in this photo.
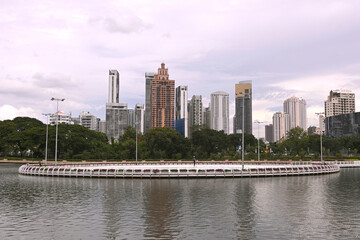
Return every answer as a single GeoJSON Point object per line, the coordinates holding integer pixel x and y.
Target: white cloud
{"type": "Point", "coordinates": [64, 49]}
{"type": "Point", "coordinates": [8, 112]}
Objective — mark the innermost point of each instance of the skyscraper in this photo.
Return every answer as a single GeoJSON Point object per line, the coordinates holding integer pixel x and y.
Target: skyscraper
{"type": "Point", "coordinates": [114, 87]}
{"type": "Point", "coordinates": [149, 76]}
{"type": "Point", "coordinates": [339, 102]}
{"type": "Point", "coordinates": [280, 125]}
{"type": "Point", "coordinates": [182, 121]}
{"type": "Point", "coordinates": [219, 111]}
{"type": "Point", "coordinates": [269, 133]}
{"type": "Point", "coordinates": [196, 111]}
{"type": "Point", "coordinates": [207, 116]}
{"type": "Point", "coordinates": [117, 114]}
{"type": "Point", "coordinates": [296, 108]}
{"type": "Point", "coordinates": [243, 97]}
{"type": "Point", "coordinates": [162, 99]}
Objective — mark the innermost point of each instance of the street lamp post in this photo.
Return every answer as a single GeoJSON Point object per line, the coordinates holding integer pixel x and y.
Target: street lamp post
{"type": "Point", "coordinates": [321, 131]}
{"type": "Point", "coordinates": [47, 135]}
{"type": "Point", "coordinates": [136, 140]}
{"type": "Point", "coordinates": [56, 114]}
{"type": "Point", "coordinates": [258, 122]}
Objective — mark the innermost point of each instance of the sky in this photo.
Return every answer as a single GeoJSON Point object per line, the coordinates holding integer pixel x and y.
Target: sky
{"type": "Point", "coordinates": [64, 49]}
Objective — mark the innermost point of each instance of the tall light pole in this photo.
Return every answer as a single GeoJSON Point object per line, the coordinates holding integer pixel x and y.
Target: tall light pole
{"type": "Point", "coordinates": [321, 131]}
{"type": "Point", "coordinates": [258, 122]}
{"type": "Point", "coordinates": [56, 115]}
{"type": "Point", "coordinates": [136, 139]}
{"type": "Point", "coordinates": [47, 134]}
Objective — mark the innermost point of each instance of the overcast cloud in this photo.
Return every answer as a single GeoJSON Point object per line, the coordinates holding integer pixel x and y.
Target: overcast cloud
{"type": "Point", "coordinates": [65, 49]}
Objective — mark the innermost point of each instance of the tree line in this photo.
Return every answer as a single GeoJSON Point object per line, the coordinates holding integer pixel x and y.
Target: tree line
{"type": "Point", "coordinates": [25, 137]}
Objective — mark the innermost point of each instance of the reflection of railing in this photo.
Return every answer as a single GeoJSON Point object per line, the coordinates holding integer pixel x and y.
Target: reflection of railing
{"type": "Point", "coordinates": [177, 171]}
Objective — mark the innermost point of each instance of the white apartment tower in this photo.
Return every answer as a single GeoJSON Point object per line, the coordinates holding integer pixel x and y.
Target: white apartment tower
{"type": "Point", "coordinates": [181, 113]}
{"type": "Point", "coordinates": [114, 87]}
{"type": "Point", "coordinates": [219, 111]}
{"type": "Point", "coordinates": [280, 125]}
{"type": "Point", "coordinates": [339, 102]}
{"type": "Point", "coordinates": [296, 108]}
{"type": "Point", "coordinates": [88, 120]}
{"type": "Point", "coordinates": [196, 111]}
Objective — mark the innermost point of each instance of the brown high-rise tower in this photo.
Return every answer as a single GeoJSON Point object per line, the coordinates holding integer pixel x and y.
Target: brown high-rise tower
{"type": "Point", "coordinates": [162, 99]}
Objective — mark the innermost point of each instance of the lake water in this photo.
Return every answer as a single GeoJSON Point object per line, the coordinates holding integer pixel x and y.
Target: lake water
{"type": "Point", "coordinates": [304, 207]}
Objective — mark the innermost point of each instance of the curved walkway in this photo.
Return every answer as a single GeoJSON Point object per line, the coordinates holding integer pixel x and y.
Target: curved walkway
{"type": "Point", "coordinates": [174, 170]}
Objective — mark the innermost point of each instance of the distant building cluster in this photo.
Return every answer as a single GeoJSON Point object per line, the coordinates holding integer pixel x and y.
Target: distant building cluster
{"type": "Point", "coordinates": [293, 115]}
{"type": "Point", "coordinates": [170, 106]}
{"type": "Point", "coordinates": [167, 106]}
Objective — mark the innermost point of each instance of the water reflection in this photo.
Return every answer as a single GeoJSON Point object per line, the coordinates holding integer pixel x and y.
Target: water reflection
{"type": "Point", "coordinates": [307, 207]}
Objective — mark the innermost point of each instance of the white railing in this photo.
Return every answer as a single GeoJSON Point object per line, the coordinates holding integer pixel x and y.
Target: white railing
{"type": "Point", "coordinates": [284, 170]}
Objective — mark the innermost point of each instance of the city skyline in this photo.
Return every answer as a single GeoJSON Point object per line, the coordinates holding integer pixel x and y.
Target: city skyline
{"type": "Point", "coordinates": [51, 50]}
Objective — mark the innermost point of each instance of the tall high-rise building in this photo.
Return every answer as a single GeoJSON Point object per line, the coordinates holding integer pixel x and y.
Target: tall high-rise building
{"type": "Point", "coordinates": [149, 77]}
{"type": "Point", "coordinates": [207, 116]}
{"type": "Point", "coordinates": [219, 105]}
{"type": "Point", "coordinates": [296, 108]}
{"type": "Point", "coordinates": [339, 102]}
{"type": "Point", "coordinates": [117, 114]}
{"type": "Point", "coordinates": [243, 98]}
{"type": "Point", "coordinates": [162, 99]}
{"type": "Point", "coordinates": [114, 86]}
{"type": "Point", "coordinates": [269, 133]}
{"type": "Point", "coordinates": [181, 113]}
{"type": "Point", "coordinates": [117, 120]}
{"type": "Point", "coordinates": [280, 125]}
{"type": "Point", "coordinates": [139, 118]}
{"type": "Point", "coordinates": [196, 111]}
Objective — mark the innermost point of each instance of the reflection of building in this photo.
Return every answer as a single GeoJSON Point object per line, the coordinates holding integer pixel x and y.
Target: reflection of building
{"type": "Point", "coordinates": [296, 108]}
{"type": "Point", "coordinates": [269, 133]}
{"type": "Point", "coordinates": [88, 120]}
{"type": "Point", "coordinates": [162, 99]}
{"type": "Point", "coordinates": [182, 121]}
{"type": "Point", "coordinates": [243, 97]}
{"type": "Point", "coordinates": [219, 112]}
{"type": "Point", "coordinates": [280, 125]}
{"type": "Point", "coordinates": [339, 102]}
{"type": "Point", "coordinates": [343, 125]}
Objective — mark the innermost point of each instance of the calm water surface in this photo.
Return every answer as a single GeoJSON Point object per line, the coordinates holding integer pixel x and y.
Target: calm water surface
{"type": "Point", "coordinates": [307, 207]}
